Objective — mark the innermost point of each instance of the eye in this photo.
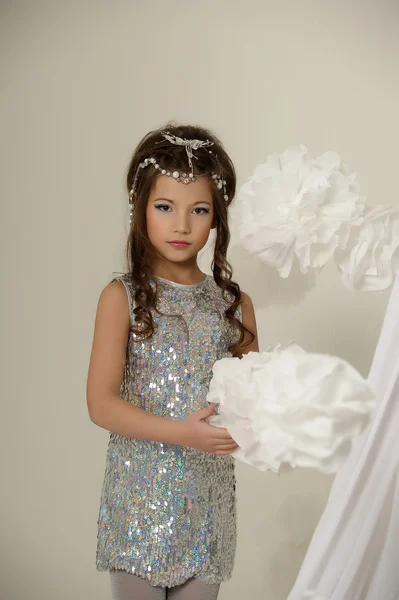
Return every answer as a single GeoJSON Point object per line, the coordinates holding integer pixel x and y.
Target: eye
{"type": "Point", "coordinates": [203, 211]}
{"type": "Point", "coordinates": [161, 207]}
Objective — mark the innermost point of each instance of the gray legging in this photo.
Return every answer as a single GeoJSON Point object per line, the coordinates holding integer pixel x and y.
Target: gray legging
{"type": "Point", "coordinates": [126, 586]}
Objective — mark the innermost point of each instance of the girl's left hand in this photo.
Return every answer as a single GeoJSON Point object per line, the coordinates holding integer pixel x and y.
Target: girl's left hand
{"type": "Point", "coordinates": [197, 433]}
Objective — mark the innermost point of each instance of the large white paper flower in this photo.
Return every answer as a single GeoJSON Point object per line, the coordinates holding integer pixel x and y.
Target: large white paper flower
{"type": "Point", "coordinates": [290, 406]}
{"type": "Point", "coordinates": [370, 258]}
{"type": "Point", "coordinates": [296, 206]}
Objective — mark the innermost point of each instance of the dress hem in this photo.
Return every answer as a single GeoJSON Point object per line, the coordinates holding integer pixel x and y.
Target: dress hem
{"type": "Point", "coordinates": [158, 582]}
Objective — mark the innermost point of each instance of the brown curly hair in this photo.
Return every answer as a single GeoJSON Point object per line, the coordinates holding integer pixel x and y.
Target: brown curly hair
{"type": "Point", "coordinates": [139, 248]}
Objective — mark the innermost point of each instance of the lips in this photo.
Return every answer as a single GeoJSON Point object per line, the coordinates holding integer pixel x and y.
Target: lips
{"type": "Point", "coordinates": [179, 244]}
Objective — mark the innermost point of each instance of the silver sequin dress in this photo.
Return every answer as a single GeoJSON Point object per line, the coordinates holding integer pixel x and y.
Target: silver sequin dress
{"type": "Point", "coordinates": [168, 513]}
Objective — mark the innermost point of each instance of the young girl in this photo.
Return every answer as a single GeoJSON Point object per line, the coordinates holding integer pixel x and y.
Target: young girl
{"type": "Point", "coordinates": [167, 519]}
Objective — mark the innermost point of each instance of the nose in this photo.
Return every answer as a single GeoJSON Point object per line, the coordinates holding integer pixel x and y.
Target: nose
{"type": "Point", "coordinates": [182, 224]}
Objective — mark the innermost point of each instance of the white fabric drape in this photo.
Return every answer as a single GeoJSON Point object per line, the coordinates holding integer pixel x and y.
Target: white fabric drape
{"type": "Point", "coordinates": [354, 551]}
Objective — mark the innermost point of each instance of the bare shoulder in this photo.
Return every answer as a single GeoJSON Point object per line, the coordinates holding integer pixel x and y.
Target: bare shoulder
{"type": "Point", "coordinates": [249, 321]}
{"type": "Point", "coordinates": [248, 311]}
{"type": "Point", "coordinates": [113, 310]}
{"type": "Point", "coordinates": [246, 301]}
{"type": "Point", "coordinates": [114, 296]}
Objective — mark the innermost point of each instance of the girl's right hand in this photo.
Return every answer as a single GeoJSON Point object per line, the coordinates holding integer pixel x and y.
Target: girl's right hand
{"type": "Point", "coordinates": [196, 433]}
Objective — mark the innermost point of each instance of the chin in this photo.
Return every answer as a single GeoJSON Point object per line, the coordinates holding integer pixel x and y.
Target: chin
{"type": "Point", "coordinates": [177, 256]}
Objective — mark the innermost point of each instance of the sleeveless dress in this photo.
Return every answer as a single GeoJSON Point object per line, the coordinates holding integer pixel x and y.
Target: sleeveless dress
{"type": "Point", "coordinates": [168, 513]}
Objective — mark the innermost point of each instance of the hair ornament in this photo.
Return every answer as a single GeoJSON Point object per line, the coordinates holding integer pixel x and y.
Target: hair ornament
{"type": "Point", "coordinates": [190, 145]}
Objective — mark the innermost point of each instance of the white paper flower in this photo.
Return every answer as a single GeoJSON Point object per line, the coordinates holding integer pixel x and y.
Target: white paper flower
{"type": "Point", "coordinates": [290, 406]}
{"type": "Point", "coordinates": [296, 206]}
{"type": "Point", "coordinates": [370, 259]}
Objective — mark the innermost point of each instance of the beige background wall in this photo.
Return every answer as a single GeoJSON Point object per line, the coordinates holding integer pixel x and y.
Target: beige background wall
{"type": "Point", "coordinates": [81, 82]}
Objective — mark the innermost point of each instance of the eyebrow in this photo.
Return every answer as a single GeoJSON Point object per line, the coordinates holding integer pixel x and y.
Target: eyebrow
{"type": "Point", "coordinates": [171, 201]}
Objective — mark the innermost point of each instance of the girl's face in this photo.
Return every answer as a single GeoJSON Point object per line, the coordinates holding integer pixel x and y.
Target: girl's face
{"type": "Point", "coordinates": [178, 212]}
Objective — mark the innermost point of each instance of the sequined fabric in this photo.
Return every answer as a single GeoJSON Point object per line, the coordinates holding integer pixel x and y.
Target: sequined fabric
{"type": "Point", "coordinates": [168, 513]}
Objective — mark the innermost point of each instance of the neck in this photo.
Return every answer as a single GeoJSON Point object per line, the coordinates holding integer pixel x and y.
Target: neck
{"type": "Point", "coordinates": [179, 273]}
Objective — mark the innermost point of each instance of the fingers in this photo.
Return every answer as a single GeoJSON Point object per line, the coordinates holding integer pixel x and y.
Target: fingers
{"type": "Point", "coordinates": [231, 446]}
{"type": "Point", "coordinates": [218, 433]}
{"type": "Point", "coordinates": [222, 435]}
{"type": "Point", "coordinates": [226, 449]}
{"type": "Point", "coordinates": [205, 413]}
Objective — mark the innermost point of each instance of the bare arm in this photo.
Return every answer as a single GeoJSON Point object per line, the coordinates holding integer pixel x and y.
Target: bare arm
{"type": "Point", "coordinates": [109, 411]}
{"type": "Point", "coordinates": [249, 320]}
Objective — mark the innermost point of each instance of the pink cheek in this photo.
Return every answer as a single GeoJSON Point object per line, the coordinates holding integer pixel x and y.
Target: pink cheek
{"type": "Point", "coordinates": [204, 236]}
